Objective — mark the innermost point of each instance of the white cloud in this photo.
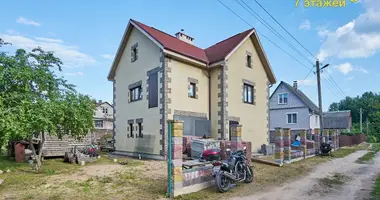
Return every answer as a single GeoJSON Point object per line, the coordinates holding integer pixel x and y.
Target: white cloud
{"type": "Point", "coordinates": [107, 56]}
{"type": "Point", "coordinates": [73, 74]}
{"type": "Point", "coordinates": [347, 67]}
{"type": "Point", "coordinates": [13, 32]}
{"type": "Point", "coordinates": [42, 39]}
{"type": "Point", "coordinates": [307, 82]}
{"type": "Point", "coordinates": [51, 33]}
{"type": "Point", "coordinates": [305, 25]}
{"type": "Point", "coordinates": [350, 78]}
{"type": "Point", "coordinates": [359, 38]}
{"type": "Point", "coordinates": [22, 20]}
{"type": "Point", "coordinates": [70, 55]}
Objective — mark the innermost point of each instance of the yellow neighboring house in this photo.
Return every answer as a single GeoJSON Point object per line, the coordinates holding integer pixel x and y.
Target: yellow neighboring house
{"type": "Point", "coordinates": [158, 77]}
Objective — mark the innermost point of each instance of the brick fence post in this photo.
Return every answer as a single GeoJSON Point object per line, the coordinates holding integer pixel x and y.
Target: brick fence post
{"type": "Point", "coordinates": [303, 143]}
{"type": "Point", "coordinates": [177, 155]}
{"type": "Point", "coordinates": [317, 139]}
{"type": "Point", "coordinates": [338, 138]}
{"type": "Point", "coordinates": [279, 151]}
{"type": "Point", "coordinates": [333, 137]}
{"type": "Point", "coordinates": [287, 149]}
{"type": "Point", "coordinates": [236, 133]}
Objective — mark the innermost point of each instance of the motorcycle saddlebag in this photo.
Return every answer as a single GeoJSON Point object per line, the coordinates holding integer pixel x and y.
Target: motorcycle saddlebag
{"type": "Point", "coordinates": [211, 154]}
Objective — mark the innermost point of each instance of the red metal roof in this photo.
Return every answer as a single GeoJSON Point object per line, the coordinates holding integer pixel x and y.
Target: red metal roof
{"type": "Point", "coordinates": [210, 55]}
{"type": "Point", "coordinates": [220, 50]}
{"type": "Point", "coordinates": [172, 43]}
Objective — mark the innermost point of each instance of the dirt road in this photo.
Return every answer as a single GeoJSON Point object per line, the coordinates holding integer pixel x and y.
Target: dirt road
{"type": "Point", "coordinates": [339, 179]}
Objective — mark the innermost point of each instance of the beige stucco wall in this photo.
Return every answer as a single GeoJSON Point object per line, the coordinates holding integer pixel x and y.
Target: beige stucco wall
{"type": "Point", "coordinates": [180, 100]}
{"type": "Point", "coordinates": [253, 118]}
{"type": "Point", "coordinates": [126, 74]}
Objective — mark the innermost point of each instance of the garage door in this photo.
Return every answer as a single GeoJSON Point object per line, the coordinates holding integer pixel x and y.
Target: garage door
{"type": "Point", "coordinates": [195, 126]}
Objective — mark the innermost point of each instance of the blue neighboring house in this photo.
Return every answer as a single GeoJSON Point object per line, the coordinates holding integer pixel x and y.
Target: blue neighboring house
{"type": "Point", "coordinates": [291, 108]}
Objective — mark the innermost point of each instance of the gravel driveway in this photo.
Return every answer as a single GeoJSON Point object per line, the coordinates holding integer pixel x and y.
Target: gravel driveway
{"type": "Point", "coordinates": [357, 184]}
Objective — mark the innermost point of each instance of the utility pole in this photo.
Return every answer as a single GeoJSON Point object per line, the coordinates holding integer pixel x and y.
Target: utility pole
{"type": "Point", "coordinates": [320, 99]}
{"type": "Point", "coordinates": [318, 71]}
{"type": "Point", "coordinates": [361, 120]}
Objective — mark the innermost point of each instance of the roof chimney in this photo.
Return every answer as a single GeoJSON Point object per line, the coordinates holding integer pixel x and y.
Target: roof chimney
{"type": "Point", "coordinates": [295, 85]}
{"type": "Point", "coordinates": [99, 101]}
{"type": "Point", "coordinates": [181, 36]}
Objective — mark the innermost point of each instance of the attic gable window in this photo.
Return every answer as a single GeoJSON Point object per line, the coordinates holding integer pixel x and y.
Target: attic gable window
{"type": "Point", "coordinates": [134, 52]}
{"type": "Point", "coordinates": [105, 110]}
{"type": "Point", "coordinates": [248, 59]}
{"type": "Point", "coordinates": [283, 98]}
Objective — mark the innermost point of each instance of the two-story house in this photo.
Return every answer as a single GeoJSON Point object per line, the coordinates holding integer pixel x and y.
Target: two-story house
{"type": "Point", "coordinates": [103, 117]}
{"type": "Point", "coordinates": [291, 108]}
{"type": "Point", "coordinates": [159, 77]}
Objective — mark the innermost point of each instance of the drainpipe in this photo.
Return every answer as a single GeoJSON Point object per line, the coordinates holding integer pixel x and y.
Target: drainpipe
{"type": "Point", "coordinates": [209, 96]}
{"type": "Point", "coordinates": [269, 86]}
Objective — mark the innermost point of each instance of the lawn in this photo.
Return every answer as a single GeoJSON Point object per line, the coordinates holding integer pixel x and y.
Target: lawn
{"type": "Point", "coordinates": [99, 180]}
{"type": "Point", "coordinates": [138, 179]}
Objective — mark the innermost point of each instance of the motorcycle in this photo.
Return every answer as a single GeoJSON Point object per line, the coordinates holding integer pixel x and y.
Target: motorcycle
{"type": "Point", "coordinates": [235, 169]}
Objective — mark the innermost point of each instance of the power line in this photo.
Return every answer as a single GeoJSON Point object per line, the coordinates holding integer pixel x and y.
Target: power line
{"type": "Point", "coordinates": [267, 25]}
{"type": "Point", "coordinates": [263, 34]}
{"type": "Point", "coordinates": [285, 29]}
{"type": "Point", "coordinates": [336, 85]}
{"type": "Point", "coordinates": [307, 75]}
{"type": "Point", "coordinates": [330, 88]}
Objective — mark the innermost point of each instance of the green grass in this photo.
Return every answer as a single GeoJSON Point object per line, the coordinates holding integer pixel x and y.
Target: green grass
{"type": "Point", "coordinates": [333, 180]}
{"type": "Point", "coordinates": [366, 157]}
{"type": "Point", "coordinates": [369, 155]}
{"type": "Point", "coordinates": [343, 152]}
{"type": "Point", "coordinates": [375, 194]}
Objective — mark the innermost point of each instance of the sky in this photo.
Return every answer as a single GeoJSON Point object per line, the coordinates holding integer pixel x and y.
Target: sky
{"type": "Point", "coordinates": [86, 34]}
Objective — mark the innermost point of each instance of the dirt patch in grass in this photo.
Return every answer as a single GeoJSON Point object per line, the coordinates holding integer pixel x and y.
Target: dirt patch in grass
{"type": "Point", "coordinates": [329, 183]}
{"type": "Point", "coordinates": [99, 180]}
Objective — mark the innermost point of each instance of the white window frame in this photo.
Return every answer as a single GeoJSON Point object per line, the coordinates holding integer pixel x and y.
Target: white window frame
{"type": "Point", "coordinates": [287, 98]}
{"type": "Point", "coordinates": [291, 113]}
{"type": "Point", "coordinates": [98, 120]}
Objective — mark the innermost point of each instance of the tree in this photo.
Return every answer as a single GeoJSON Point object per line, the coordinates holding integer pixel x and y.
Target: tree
{"type": "Point", "coordinates": [35, 102]}
{"type": "Point", "coordinates": [370, 103]}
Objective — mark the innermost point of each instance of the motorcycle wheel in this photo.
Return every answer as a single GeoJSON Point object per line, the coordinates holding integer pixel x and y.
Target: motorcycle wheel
{"type": "Point", "coordinates": [249, 178]}
{"type": "Point", "coordinates": [222, 182]}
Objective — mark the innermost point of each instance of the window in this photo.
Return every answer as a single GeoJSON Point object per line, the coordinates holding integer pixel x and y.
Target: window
{"type": "Point", "coordinates": [134, 53]}
{"type": "Point", "coordinates": [292, 118]}
{"type": "Point", "coordinates": [249, 61]}
{"type": "Point", "coordinates": [99, 123]}
{"type": "Point", "coordinates": [248, 93]}
{"type": "Point", "coordinates": [192, 90]}
{"type": "Point", "coordinates": [105, 110]}
{"type": "Point", "coordinates": [136, 93]}
{"type": "Point", "coordinates": [140, 129]}
{"type": "Point", "coordinates": [131, 130]}
{"type": "Point", "coordinates": [283, 98]}
{"type": "Point", "coordinates": [153, 90]}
